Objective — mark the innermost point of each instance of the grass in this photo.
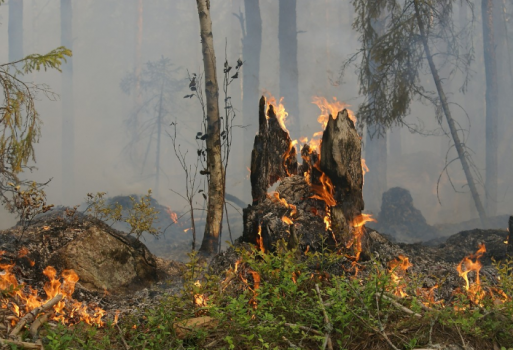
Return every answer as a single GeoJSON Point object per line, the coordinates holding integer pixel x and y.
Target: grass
{"type": "Point", "coordinates": [275, 301]}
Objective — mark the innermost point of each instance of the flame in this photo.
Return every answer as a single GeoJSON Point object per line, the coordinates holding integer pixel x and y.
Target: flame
{"type": "Point", "coordinates": [283, 201]}
{"type": "Point", "coordinates": [260, 240]}
{"type": "Point", "coordinates": [67, 311]}
{"type": "Point", "coordinates": [468, 264]}
{"type": "Point", "coordinates": [200, 300]}
{"type": "Point", "coordinates": [365, 169]}
{"type": "Point", "coordinates": [172, 215]}
{"type": "Point", "coordinates": [397, 269]}
{"type": "Point", "coordinates": [187, 229]}
{"type": "Point", "coordinates": [358, 226]}
{"type": "Point", "coordinates": [287, 220]}
{"type": "Point", "coordinates": [324, 191]}
{"type": "Point", "coordinates": [330, 108]}
{"type": "Point", "coordinates": [279, 109]}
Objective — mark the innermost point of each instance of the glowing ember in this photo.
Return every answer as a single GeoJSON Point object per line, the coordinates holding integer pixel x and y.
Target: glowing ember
{"type": "Point", "coordinates": [172, 215]}
{"type": "Point", "coordinates": [199, 299]}
{"type": "Point", "coordinates": [397, 269]}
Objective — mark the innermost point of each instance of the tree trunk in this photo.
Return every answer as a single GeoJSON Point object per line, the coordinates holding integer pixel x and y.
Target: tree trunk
{"type": "Point", "coordinates": [450, 121]}
{"type": "Point", "coordinates": [492, 103]}
{"type": "Point", "coordinates": [251, 48]}
{"type": "Point", "coordinates": [287, 40]}
{"type": "Point", "coordinates": [375, 146]}
{"type": "Point", "coordinates": [134, 125]}
{"type": "Point", "coordinates": [159, 139]}
{"type": "Point", "coordinates": [15, 30]}
{"type": "Point", "coordinates": [68, 119]}
{"type": "Point", "coordinates": [213, 141]}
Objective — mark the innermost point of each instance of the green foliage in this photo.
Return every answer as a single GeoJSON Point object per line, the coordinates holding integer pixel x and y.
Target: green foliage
{"type": "Point", "coordinates": [392, 58]}
{"type": "Point", "coordinates": [20, 125]}
{"type": "Point", "coordinates": [141, 215]}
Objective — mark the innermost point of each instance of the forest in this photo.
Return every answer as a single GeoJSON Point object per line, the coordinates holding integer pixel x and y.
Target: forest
{"type": "Point", "coordinates": [256, 174]}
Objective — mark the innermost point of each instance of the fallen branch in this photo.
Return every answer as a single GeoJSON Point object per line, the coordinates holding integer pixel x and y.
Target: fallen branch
{"type": "Point", "coordinates": [122, 337]}
{"type": "Point", "coordinates": [327, 324]}
{"type": "Point", "coordinates": [21, 344]}
{"type": "Point", "coordinates": [399, 305]}
{"type": "Point", "coordinates": [32, 315]}
{"type": "Point", "coordinates": [291, 345]}
{"type": "Point", "coordinates": [37, 323]}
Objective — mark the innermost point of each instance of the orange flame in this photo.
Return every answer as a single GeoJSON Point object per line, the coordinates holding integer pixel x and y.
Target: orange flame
{"type": "Point", "coordinates": [279, 109]}
{"type": "Point", "coordinates": [330, 108]}
{"type": "Point", "coordinates": [287, 220]}
{"type": "Point", "coordinates": [397, 269]}
{"type": "Point", "coordinates": [365, 169]}
{"type": "Point", "coordinates": [358, 227]}
{"type": "Point", "coordinates": [324, 191]}
{"type": "Point", "coordinates": [260, 240]}
{"type": "Point", "coordinates": [172, 215]}
{"type": "Point", "coordinates": [468, 264]}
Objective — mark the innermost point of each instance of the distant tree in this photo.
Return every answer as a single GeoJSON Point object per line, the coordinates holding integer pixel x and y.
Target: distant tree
{"type": "Point", "coordinates": [68, 121]}
{"type": "Point", "coordinates": [416, 32]}
{"type": "Point", "coordinates": [15, 30]}
{"type": "Point", "coordinates": [158, 88]}
{"type": "Point", "coordinates": [215, 169]}
{"type": "Point", "coordinates": [289, 74]}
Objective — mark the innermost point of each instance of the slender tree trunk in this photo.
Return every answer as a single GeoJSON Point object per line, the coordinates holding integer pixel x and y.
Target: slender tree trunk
{"type": "Point", "coordinates": [15, 30]}
{"type": "Point", "coordinates": [450, 121]}
{"type": "Point", "coordinates": [396, 148]}
{"type": "Point", "coordinates": [68, 119]}
{"type": "Point", "coordinates": [134, 125]}
{"type": "Point", "coordinates": [159, 133]}
{"type": "Point", "coordinates": [287, 40]}
{"type": "Point", "coordinates": [251, 48]}
{"type": "Point", "coordinates": [375, 148]}
{"type": "Point", "coordinates": [492, 103]}
{"type": "Point", "coordinates": [214, 162]}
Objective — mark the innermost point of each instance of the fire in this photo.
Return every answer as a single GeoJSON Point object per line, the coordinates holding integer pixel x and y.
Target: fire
{"type": "Point", "coordinates": [279, 109]}
{"type": "Point", "coordinates": [358, 227]}
{"type": "Point", "coordinates": [283, 201]}
{"type": "Point", "coordinates": [172, 215]}
{"type": "Point", "coordinates": [397, 269]}
{"type": "Point", "coordinates": [260, 240]}
{"type": "Point", "coordinates": [468, 264]}
{"type": "Point", "coordinates": [365, 169]}
{"type": "Point", "coordinates": [330, 108]}
{"type": "Point", "coordinates": [287, 220]}
{"type": "Point", "coordinates": [67, 311]}
{"type": "Point", "coordinates": [199, 299]}
{"type": "Point", "coordinates": [324, 191]}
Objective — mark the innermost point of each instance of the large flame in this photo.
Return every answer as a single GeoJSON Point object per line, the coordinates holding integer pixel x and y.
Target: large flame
{"type": "Point", "coordinates": [67, 311]}
{"type": "Point", "coordinates": [330, 108]}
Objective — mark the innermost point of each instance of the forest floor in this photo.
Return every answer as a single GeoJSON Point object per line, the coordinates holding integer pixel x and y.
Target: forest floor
{"type": "Point", "coordinates": [249, 299]}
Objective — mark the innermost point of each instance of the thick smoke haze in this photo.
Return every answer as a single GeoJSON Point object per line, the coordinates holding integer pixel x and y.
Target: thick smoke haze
{"type": "Point", "coordinates": [104, 45]}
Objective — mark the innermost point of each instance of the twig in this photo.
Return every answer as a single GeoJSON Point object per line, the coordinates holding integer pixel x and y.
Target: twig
{"type": "Point", "coordinates": [32, 315]}
{"type": "Point", "coordinates": [399, 306]}
{"type": "Point", "coordinates": [122, 337]}
{"type": "Point", "coordinates": [21, 344]}
{"type": "Point", "coordinates": [291, 345]}
{"type": "Point", "coordinates": [327, 324]}
{"type": "Point", "coordinates": [307, 329]}
{"type": "Point", "coordinates": [37, 323]}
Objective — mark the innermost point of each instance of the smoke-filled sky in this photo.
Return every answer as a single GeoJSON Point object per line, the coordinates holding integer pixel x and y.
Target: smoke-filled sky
{"type": "Point", "coordinates": [104, 45]}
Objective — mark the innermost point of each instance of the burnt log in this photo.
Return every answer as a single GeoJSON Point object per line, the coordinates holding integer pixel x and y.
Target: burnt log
{"type": "Point", "coordinates": [273, 156]}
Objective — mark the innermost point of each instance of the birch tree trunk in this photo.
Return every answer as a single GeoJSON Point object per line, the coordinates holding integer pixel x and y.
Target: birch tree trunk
{"type": "Point", "coordinates": [68, 120]}
{"type": "Point", "coordinates": [213, 141]}
{"type": "Point", "coordinates": [492, 104]}
{"type": "Point", "coordinates": [450, 121]}
{"type": "Point", "coordinates": [15, 30]}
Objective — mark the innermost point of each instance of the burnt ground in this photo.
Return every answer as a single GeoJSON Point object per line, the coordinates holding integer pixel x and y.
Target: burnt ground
{"type": "Point", "coordinates": [435, 264]}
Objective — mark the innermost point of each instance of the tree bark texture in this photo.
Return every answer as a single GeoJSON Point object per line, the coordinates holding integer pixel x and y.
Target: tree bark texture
{"type": "Point", "coordinates": [273, 156]}
{"type": "Point", "coordinates": [213, 141]}
{"type": "Point", "coordinates": [251, 48]}
{"type": "Point", "coordinates": [450, 121]}
{"type": "Point", "coordinates": [68, 119]}
{"type": "Point", "coordinates": [15, 30]}
{"type": "Point", "coordinates": [492, 103]}
{"type": "Point", "coordinates": [289, 76]}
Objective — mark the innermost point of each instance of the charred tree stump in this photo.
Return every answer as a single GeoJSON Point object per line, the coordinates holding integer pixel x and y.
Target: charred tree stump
{"type": "Point", "coordinates": [341, 160]}
{"type": "Point", "coordinates": [273, 156]}
{"type": "Point", "coordinates": [316, 203]}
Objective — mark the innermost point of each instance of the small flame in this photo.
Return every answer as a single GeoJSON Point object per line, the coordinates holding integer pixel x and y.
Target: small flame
{"type": "Point", "coordinates": [397, 269]}
{"type": "Point", "coordinates": [330, 108]}
{"type": "Point", "coordinates": [172, 215]}
{"type": "Point", "coordinates": [468, 264]}
{"type": "Point", "coordinates": [260, 240]}
{"type": "Point", "coordinates": [279, 109]}
{"type": "Point", "coordinates": [287, 220]}
{"type": "Point", "coordinates": [358, 227]}
{"type": "Point", "coordinates": [365, 169]}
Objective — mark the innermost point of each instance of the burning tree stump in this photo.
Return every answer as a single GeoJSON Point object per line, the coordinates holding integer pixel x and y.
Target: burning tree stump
{"type": "Point", "coordinates": [316, 203]}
